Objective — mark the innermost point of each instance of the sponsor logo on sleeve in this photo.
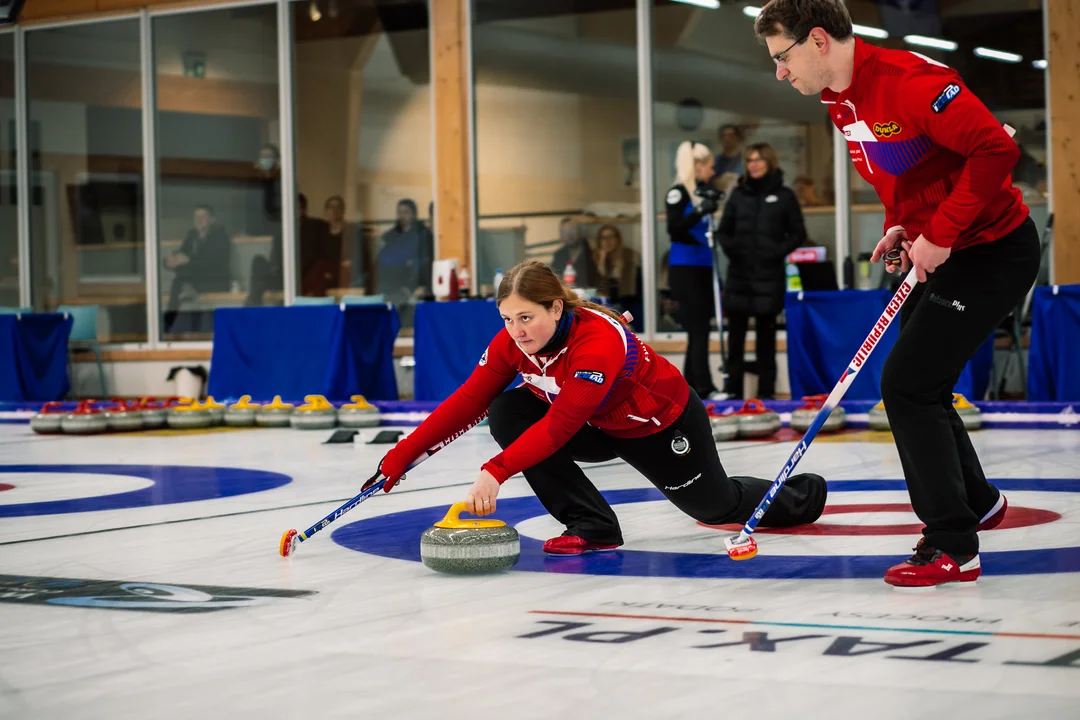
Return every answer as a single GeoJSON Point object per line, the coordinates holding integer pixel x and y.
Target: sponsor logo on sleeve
{"type": "Point", "coordinates": [593, 376]}
{"type": "Point", "coordinates": [483, 358]}
{"type": "Point", "coordinates": [673, 196]}
{"type": "Point", "coordinates": [947, 96]}
{"type": "Point", "coordinates": [886, 129]}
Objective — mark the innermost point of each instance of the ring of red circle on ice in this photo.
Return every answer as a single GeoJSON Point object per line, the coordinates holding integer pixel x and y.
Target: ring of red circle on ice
{"type": "Point", "coordinates": [1017, 517]}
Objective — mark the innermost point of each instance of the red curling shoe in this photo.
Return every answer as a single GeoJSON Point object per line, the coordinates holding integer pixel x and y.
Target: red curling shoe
{"type": "Point", "coordinates": [574, 545]}
{"type": "Point", "coordinates": [929, 566]}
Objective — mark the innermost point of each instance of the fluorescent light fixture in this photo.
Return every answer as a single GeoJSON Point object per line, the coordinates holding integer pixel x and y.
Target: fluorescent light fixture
{"type": "Point", "coordinates": [998, 55]}
{"type": "Point", "coordinates": [751, 11]}
{"type": "Point", "coordinates": [711, 4]}
{"type": "Point", "coordinates": [930, 42]}
{"type": "Point", "coordinates": [870, 31]}
{"type": "Point", "coordinates": [1041, 64]}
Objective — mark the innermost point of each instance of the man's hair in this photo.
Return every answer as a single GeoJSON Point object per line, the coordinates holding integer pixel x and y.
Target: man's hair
{"type": "Point", "coordinates": [796, 18]}
{"type": "Point", "coordinates": [209, 210]}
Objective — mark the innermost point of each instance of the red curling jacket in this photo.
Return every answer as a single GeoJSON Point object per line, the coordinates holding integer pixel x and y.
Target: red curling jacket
{"type": "Point", "coordinates": [602, 375]}
{"type": "Point", "coordinates": [937, 158]}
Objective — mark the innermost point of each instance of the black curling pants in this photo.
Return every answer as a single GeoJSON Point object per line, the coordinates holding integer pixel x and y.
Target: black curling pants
{"type": "Point", "coordinates": [680, 460]}
{"type": "Point", "coordinates": [942, 325]}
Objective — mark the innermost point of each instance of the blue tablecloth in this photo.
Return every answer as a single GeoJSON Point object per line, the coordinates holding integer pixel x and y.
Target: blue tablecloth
{"type": "Point", "coordinates": [449, 338]}
{"type": "Point", "coordinates": [297, 351]}
{"type": "Point", "coordinates": [33, 356]}
{"type": "Point", "coordinates": [1054, 356]}
{"type": "Point", "coordinates": [825, 329]}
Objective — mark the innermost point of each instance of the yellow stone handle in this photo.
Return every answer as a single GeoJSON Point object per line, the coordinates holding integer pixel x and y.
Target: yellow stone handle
{"type": "Point", "coordinates": [315, 402]}
{"type": "Point", "coordinates": [359, 402]}
{"type": "Point", "coordinates": [452, 520]}
{"type": "Point", "coordinates": [244, 403]}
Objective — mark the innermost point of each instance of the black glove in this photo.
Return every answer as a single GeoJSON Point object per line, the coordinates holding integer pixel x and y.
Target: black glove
{"type": "Point", "coordinates": [708, 205]}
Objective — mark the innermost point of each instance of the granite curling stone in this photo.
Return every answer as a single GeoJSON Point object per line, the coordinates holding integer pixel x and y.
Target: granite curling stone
{"type": "Point", "coordinates": [315, 414]}
{"type": "Point", "coordinates": [217, 410]}
{"type": "Point", "coordinates": [756, 420]}
{"type": "Point", "coordinates": [154, 413]}
{"type": "Point", "coordinates": [359, 414]}
{"type": "Point", "coordinates": [276, 414]}
{"type": "Point", "coordinates": [804, 417]}
{"type": "Point", "coordinates": [971, 415]}
{"type": "Point", "coordinates": [466, 547]}
{"type": "Point", "coordinates": [123, 416]}
{"type": "Point", "coordinates": [241, 413]}
{"type": "Point", "coordinates": [48, 419]}
{"type": "Point", "coordinates": [725, 426]}
{"type": "Point", "coordinates": [879, 419]}
{"type": "Point", "coordinates": [84, 420]}
{"type": "Point", "coordinates": [189, 415]}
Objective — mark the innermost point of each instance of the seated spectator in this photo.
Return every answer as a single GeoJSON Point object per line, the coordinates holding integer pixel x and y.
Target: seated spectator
{"type": "Point", "coordinates": [202, 262]}
{"type": "Point", "coordinates": [575, 251]}
{"type": "Point", "coordinates": [618, 267]}
{"type": "Point", "coordinates": [321, 249]}
{"type": "Point", "coordinates": [267, 273]}
{"type": "Point", "coordinates": [403, 260]}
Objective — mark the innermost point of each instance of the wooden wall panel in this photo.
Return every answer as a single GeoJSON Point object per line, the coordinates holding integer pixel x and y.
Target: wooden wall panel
{"type": "Point", "coordinates": [451, 129]}
{"type": "Point", "coordinates": [1064, 69]}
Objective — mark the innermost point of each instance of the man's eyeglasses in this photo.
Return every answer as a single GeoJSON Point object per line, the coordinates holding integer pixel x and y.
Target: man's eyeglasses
{"type": "Point", "coordinates": [780, 58]}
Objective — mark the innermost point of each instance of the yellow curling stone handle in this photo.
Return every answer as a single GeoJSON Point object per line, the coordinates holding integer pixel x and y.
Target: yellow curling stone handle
{"type": "Point", "coordinates": [453, 522]}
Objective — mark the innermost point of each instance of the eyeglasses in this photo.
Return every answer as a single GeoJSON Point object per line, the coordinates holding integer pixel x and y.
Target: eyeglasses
{"type": "Point", "coordinates": [780, 58]}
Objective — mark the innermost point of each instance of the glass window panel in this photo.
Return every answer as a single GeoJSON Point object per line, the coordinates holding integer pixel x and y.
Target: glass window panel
{"type": "Point", "coordinates": [9, 220]}
{"type": "Point", "coordinates": [557, 147]}
{"type": "Point", "coordinates": [363, 150]}
{"type": "Point", "coordinates": [219, 198]}
{"type": "Point", "coordinates": [86, 165]}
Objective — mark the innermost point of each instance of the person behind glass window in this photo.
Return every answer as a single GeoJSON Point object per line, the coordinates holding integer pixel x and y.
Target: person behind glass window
{"type": "Point", "coordinates": [202, 262]}
{"type": "Point", "coordinates": [761, 225]}
{"type": "Point", "coordinates": [618, 268]}
{"type": "Point", "coordinates": [404, 257]}
{"type": "Point", "coordinates": [575, 251]}
{"type": "Point", "coordinates": [690, 263]}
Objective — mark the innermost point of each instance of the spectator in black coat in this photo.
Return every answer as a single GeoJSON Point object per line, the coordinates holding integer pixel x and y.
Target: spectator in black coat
{"type": "Point", "coordinates": [761, 225]}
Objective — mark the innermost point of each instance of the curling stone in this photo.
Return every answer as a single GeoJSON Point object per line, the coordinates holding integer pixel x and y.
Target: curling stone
{"type": "Point", "coordinates": [469, 546]}
{"type": "Point", "coordinates": [48, 419]}
{"type": "Point", "coordinates": [878, 419]}
{"type": "Point", "coordinates": [971, 415]}
{"type": "Point", "coordinates": [241, 413]}
{"type": "Point", "coordinates": [359, 414]}
{"type": "Point", "coordinates": [123, 416]}
{"type": "Point", "coordinates": [154, 413]}
{"type": "Point", "coordinates": [803, 418]}
{"type": "Point", "coordinates": [276, 414]}
{"type": "Point", "coordinates": [84, 420]}
{"type": "Point", "coordinates": [189, 416]}
{"type": "Point", "coordinates": [217, 410]}
{"type": "Point", "coordinates": [756, 421]}
{"type": "Point", "coordinates": [725, 426]}
{"type": "Point", "coordinates": [315, 414]}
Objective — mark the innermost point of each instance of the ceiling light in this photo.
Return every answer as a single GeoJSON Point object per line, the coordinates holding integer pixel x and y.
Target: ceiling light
{"type": "Point", "coordinates": [751, 11]}
{"type": "Point", "coordinates": [930, 42]}
{"type": "Point", "coordinates": [998, 55]}
{"type": "Point", "coordinates": [711, 4]}
{"type": "Point", "coordinates": [870, 31]}
{"type": "Point", "coordinates": [1041, 64]}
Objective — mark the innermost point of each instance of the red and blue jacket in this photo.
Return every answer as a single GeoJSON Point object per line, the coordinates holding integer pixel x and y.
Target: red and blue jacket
{"type": "Point", "coordinates": [938, 159]}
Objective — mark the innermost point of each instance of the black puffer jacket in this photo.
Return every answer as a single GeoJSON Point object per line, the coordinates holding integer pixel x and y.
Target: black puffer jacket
{"type": "Point", "coordinates": [761, 224]}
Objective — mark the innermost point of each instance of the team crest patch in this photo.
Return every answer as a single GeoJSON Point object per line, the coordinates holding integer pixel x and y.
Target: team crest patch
{"type": "Point", "coordinates": [593, 376]}
{"type": "Point", "coordinates": [680, 445]}
{"type": "Point", "coordinates": [483, 358]}
{"type": "Point", "coordinates": [886, 129]}
{"type": "Point", "coordinates": [673, 196]}
{"type": "Point", "coordinates": [947, 96]}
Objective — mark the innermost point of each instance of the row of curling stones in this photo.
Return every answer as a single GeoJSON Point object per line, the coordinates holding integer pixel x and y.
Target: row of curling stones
{"type": "Point", "coordinates": [459, 546]}
{"type": "Point", "coordinates": [317, 413]}
{"type": "Point", "coordinates": [94, 416]}
{"type": "Point", "coordinates": [969, 414]}
{"type": "Point", "coordinates": [753, 420]}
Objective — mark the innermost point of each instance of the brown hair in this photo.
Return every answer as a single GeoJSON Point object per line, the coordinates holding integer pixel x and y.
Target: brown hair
{"type": "Point", "coordinates": [765, 150]}
{"type": "Point", "coordinates": [536, 282]}
{"type": "Point", "coordinates": [796, 18]}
